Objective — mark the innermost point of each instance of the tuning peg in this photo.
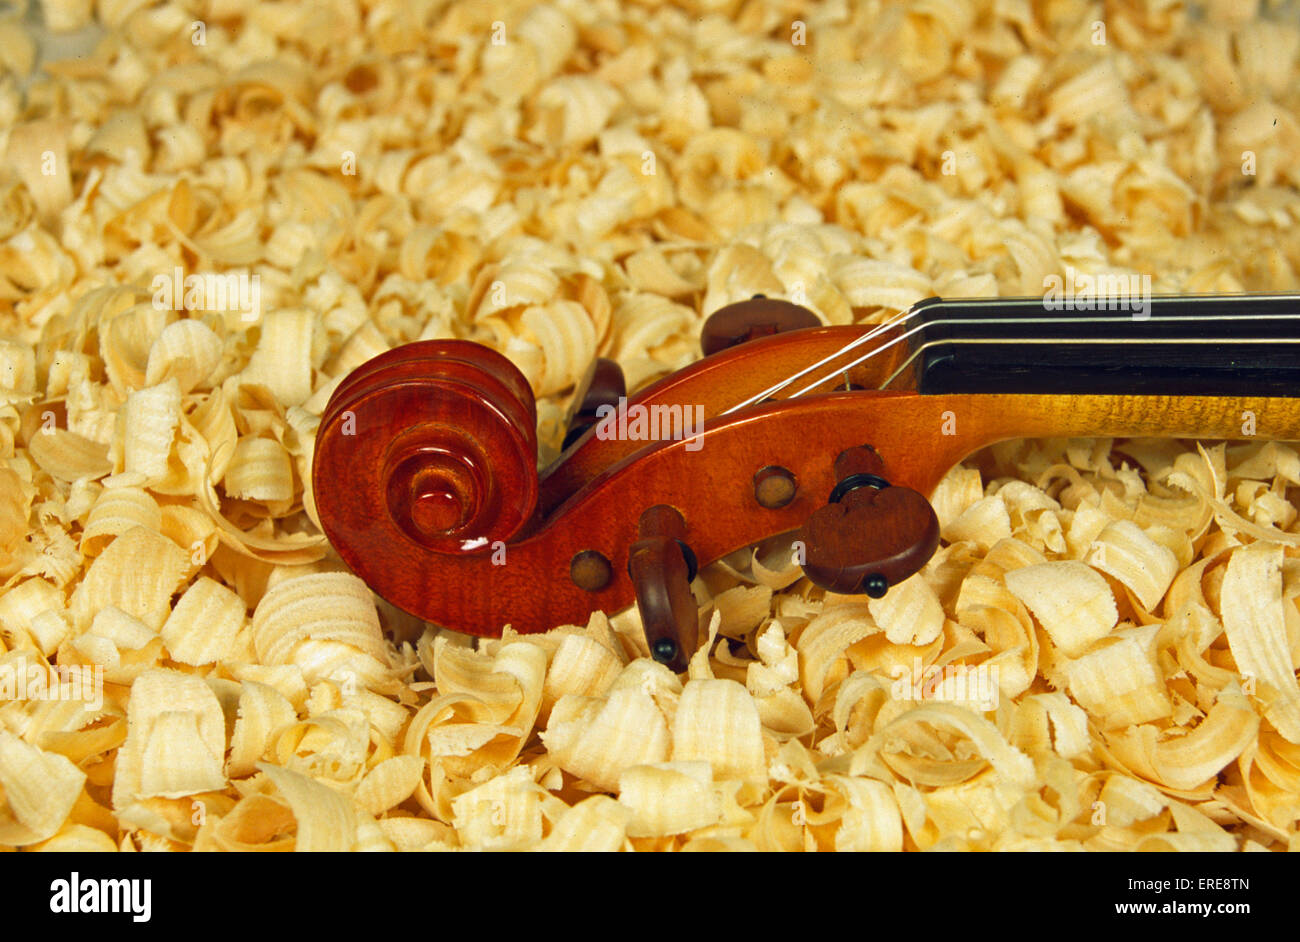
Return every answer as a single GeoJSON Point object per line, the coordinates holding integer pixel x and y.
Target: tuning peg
{"type": "Point", "coordinates": [870, 535]}
{"type": "Point", "coordinates": [743, 321]}
{"type": "Point", "coordinates": [662, 566]}
{"type": "Point", "coordinates": [602, 385]}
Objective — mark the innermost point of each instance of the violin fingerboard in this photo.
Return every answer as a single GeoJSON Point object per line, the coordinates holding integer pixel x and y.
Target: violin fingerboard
{"type": "Point", "coordinates": [1178, 346]}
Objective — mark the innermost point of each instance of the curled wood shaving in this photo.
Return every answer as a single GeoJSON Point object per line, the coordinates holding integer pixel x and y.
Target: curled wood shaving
{"type": "Point", "coordinates": [1101, 656]}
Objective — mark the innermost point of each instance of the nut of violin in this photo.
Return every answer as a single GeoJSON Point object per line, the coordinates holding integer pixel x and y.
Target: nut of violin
{"type": "Point", "coordinates": [430, 446]}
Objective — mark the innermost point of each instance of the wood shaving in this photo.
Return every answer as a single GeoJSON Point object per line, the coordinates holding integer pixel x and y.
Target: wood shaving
{"type": "Point", "coordinates": [1102, 655]}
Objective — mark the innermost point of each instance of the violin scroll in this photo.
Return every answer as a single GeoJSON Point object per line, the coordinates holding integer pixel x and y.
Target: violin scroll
{"type": "Point", "coordinates": [429, 446]}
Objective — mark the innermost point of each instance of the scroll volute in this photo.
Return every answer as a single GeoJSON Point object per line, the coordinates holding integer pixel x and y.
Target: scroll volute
{"type": "Point", "coordinates": [430, 446]}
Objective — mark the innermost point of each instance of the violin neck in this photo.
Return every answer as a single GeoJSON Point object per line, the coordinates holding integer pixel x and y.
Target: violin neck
{"type": "Point", "coordinates": [1135, 344]}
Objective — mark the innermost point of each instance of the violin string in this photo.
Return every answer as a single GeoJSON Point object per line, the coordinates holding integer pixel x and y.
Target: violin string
{"type": "Point", "coordinates": [841, 369]}
{"type": "Point", "coordinates": [996, 321]}
{"type": "Point", "coordinates": [852, 345]}
{"type": "Point", "coordinates": [907, 315]}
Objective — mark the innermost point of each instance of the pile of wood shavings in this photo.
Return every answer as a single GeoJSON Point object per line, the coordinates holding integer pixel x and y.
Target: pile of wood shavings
{"type": "Point", "coordinates": [574, 179]}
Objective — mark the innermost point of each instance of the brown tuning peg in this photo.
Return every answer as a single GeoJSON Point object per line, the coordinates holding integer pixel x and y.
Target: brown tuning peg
{"type": "Point", "coordinates": [602, 385]}
{"type": "Point", "coordinates": [743, 321]}
{"type": "Point", "coordinates": [662, 566]}
{"type": "Point", "coordinates": [870, 535]}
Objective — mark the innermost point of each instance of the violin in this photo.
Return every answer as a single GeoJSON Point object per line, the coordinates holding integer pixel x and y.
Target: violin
{"type": "Point", "coordinates": [426, 481]}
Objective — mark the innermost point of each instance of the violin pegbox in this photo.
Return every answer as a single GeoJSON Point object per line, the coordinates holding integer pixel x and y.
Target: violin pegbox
{"type": "Point", "coordinates": [870, 535]}
{"type": "Point", "coordinates": [661, 561]}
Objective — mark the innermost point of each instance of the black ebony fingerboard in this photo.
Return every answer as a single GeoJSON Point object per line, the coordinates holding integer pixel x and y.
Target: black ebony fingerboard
{"type": "Point", "coordinates": [1249, 348]}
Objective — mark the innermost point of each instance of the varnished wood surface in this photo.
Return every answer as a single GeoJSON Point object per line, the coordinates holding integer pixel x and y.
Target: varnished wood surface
{"type": "Point", "coordinates": [715, 383]}
{"type": "Point", "coordinates": [746, 321]}
{"type": "Point", "coordinates": [872, 534]}
{"type": "Point", "coordinates": [918, 437]}
{"type": "Point", "coordinates": [661, 580]}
